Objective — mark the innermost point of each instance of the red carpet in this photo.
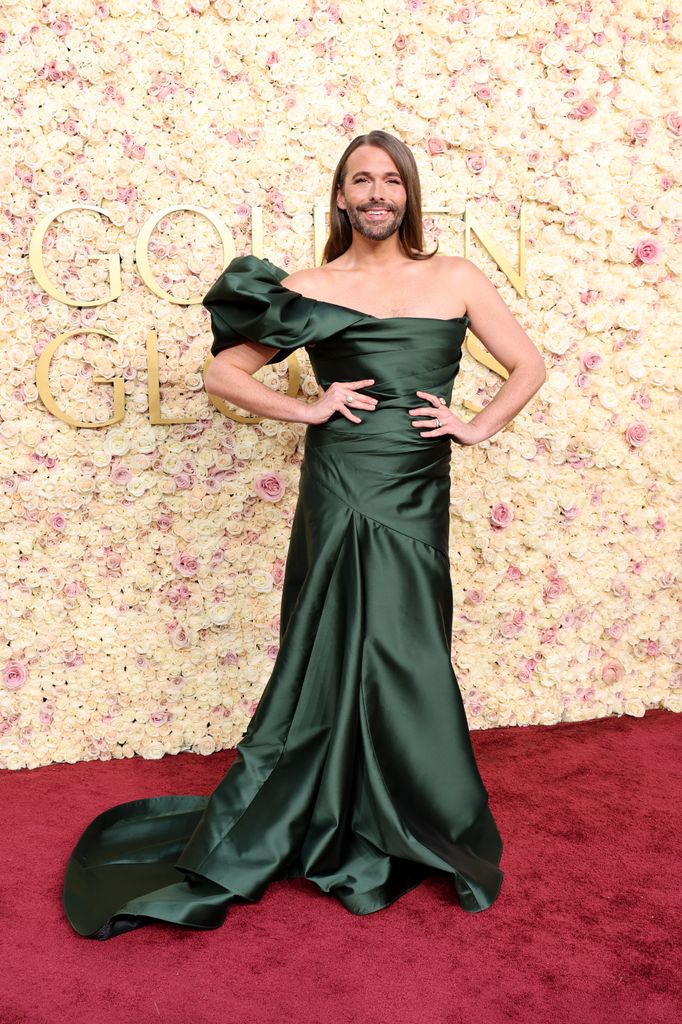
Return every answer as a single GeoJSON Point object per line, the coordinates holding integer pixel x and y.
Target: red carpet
{"type": "Point", "coordinates": [586, 928]}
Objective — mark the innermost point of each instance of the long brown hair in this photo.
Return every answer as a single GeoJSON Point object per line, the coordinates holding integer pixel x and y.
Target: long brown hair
{"type": "Point", "coordinates": [411, 231]}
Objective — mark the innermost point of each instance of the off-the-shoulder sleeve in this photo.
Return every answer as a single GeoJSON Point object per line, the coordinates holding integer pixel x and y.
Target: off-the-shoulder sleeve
{"type": "Point", "coordinates": [248, 302]}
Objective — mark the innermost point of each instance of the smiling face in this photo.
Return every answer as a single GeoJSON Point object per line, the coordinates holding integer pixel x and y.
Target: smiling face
{"type": "Point", "coordinates": [373, 194]}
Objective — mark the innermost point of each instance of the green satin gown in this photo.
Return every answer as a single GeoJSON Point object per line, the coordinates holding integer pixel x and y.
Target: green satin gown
{"type": "Point", "coordinates": [357, 770]}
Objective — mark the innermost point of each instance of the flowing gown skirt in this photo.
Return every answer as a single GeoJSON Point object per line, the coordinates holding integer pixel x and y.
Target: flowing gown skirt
{"type": "Point", "coordinates": [356, 770]}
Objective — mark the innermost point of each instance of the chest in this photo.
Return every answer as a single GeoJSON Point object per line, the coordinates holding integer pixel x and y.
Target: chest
{"type": "Point", "coordinates": [384, 305]}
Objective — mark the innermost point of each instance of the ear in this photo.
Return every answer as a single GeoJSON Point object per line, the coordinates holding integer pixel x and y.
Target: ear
{"type": "Point", "coordinates": [340, 201]}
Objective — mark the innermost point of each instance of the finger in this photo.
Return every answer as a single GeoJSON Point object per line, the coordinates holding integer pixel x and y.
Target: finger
{"type": "Point", "coordinates": [431, 398]}
{"type": "Point", "coordinates": [355, 384]}
{"type": "Point", "coordinates": [361, 401]}
{"type": "Point", "coordinates": [424, 423]}
{"type": "Point", "coordinates": [349, 416]}
{"type": "Point", "coordinates": [425, 410]}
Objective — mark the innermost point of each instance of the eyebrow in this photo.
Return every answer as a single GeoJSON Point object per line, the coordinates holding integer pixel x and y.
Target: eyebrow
{"type": "Point", "coordinates": [388, 174]}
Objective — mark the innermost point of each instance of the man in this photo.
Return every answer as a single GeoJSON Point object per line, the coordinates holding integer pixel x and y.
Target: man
{"type": "Point", "coordinates": [374, 263]}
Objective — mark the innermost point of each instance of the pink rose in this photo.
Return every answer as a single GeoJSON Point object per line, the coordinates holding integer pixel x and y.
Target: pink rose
{"type": "Point", "coordinates": [619, 587]}
{"type": "Point", "coordinates": [590, 360]}
{"type": "Point", "coordinates": [120, 474]}
{"type": "Point", "coordinates": [554, 589]}
{"type": "Point", "coordinates": [475, 162]}
{"type": "Point", "coordinates": [14, 675]}
{"type": "Point", "coordinates": [303, 28]}
{"type": "Point", "coordinates": [60, 27]}
{"type": "Point", "coordinates": [278, 571]}
{"type": "Point", "coordinates": [58, 522]}
{"type": "Point", "coordinates": [473, 596]}
{"type": "Point", "coordinates": [46, 714]}
{"type": "Point", "coordinates": [512, 626]}
{"type": "Point", "coordinates": [270, 486]}
{"type": "Point", "coordinates": [272, 650]}
{"type": "Point", "coordinates": [648, 250]}
{"type": "Point", "coordinates": [186, 564]}
{"type": "Point", "coordinates": [501, 515]}
{"type": "Point", "coordinates": [526, 669]}
{"type": "Point", "coordinates": [436, 145]}
{"type": "Point", "coordinates": [640, 130]}
{"type": "Point", "coordinates": [584, 110]}
{"type": "Point", "coordinates": [673, 122]}
{"type": "Point", "coordinates": [637, 434]}
{"type": "Point", "coordinates": [179, 637]}
{"type": "Point", "coordinates": [400, 42]}
{"type": "Point", "coordinates": [611, 672]}
{"type": "Point", "coordinates": [160, 717]}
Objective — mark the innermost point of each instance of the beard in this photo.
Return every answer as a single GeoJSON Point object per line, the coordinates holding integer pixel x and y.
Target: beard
{"type": "Point", "coordinates": [377, 231]}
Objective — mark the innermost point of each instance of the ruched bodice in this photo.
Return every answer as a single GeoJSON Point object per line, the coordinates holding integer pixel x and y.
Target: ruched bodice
{"type": "Point", "coordinates": [356, 771]}
{"type": "Point", "coordinates": [401, 354]}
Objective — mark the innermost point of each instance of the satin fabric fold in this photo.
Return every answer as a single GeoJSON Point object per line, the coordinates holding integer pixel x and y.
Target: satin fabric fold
{"type": "Point", "coordinates": [356, 770]}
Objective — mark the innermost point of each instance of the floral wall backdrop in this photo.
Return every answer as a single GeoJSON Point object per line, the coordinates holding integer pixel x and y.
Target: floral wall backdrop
{"type": "Point", "coordinates": [142, 563]}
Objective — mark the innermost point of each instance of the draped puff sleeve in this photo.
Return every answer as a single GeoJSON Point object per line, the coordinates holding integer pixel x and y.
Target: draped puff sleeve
{"type": "Point", "coordinates": [248, 303]}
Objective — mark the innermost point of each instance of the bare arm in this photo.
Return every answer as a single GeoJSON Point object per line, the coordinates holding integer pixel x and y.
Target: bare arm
{"type": "Point", "coordinates": [230, 376]}
{"type": "Point", "coordinates": [497, 329]}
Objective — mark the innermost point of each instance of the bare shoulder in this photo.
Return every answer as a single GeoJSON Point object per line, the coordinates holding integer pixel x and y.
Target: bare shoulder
{"type": "Point", "coordinates": [308, 282]}
{"type": "Point", "coordinates": [470, 272]}
{"type": "Point", "coordinates": [450, 269]}
{"type": "Point", "coordinates": [448, 264]}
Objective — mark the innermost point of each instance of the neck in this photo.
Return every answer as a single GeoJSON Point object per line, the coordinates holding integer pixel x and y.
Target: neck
{"type": "Point", "coordinates": [373, 255]}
